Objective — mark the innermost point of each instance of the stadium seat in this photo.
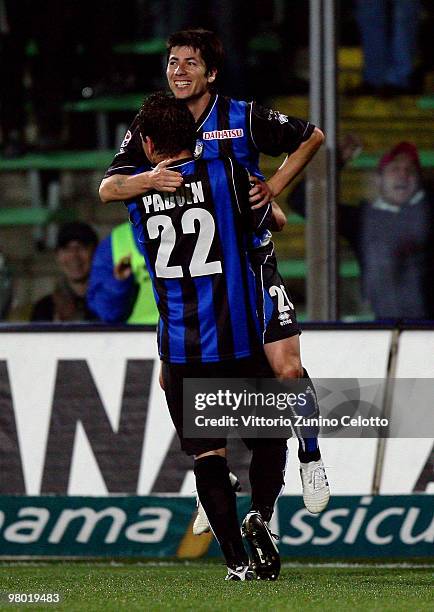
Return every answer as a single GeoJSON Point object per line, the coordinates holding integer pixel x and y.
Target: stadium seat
{"type": "Point", "coordinates": [33, 216]}
{"type": "Point", "coordinates": [45, 206]}
{"type": "Point", "coordinates": [153, 46]}
{"type": "Point", "coordinates": [369, 161]}
{"type": "Point", "coordinates": [102, 106]}
{"type": "Point", "coordinates": [426, 103]}
{"type": "Point", "coordinates": [296, 268]}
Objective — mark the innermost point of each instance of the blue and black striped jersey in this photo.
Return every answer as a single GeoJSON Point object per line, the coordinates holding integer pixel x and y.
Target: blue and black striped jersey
{"type": "Point", "coordinates": [227, 128]}
{"type": "Point", "coordinates": [195, 245]}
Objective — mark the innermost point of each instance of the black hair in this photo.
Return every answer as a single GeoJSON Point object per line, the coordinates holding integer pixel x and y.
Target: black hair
{"type": "Point", "coordinates": [168, 122]}
{"type": "Point", "coordinates": [76, 231]}
{"type": "Point", "coordinates": [205, 41]}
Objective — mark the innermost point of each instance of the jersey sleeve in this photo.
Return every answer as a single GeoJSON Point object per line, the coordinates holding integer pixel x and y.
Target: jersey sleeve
{"type": "Point", "coordinates": [274, 133]}
{"type": "Point", "coordinates": [130, 155]}
{"type": "Point", "coordinates": [257, 220]}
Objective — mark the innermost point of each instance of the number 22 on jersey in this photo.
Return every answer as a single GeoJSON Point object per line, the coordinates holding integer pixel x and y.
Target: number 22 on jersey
{"type": "Point", "coordinates": [198, 264]}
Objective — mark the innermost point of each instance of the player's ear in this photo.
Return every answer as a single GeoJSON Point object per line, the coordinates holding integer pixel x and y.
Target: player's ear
{"type": "Point", "coordinates": [212, 75]}
{"type": "Point", "coordinates": [148, 146]}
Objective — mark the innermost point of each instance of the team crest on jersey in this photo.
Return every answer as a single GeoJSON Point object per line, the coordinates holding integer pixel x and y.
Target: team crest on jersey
{"type": "Point", "coordinates": [223, 134]}
{"type": "Point", "coordinates": [198, 149]}
{"type": "Point", "coordinates": [281, 118]}
{"type": "Point", "coordinates": [126, 139]}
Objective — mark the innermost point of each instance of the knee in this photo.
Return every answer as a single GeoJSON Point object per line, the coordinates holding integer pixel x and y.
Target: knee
{"type": "Point", "coordinates": [220, 452]}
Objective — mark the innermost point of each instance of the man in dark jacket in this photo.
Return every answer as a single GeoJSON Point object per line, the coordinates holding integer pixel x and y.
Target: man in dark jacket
{"type": "Point", "coordinates": [76, 245]}
{"type": "Point", "coordinates": [392, 237]}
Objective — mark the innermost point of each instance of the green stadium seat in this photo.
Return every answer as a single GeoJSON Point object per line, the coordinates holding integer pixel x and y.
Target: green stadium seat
{"type": "Point", "coordinates": [59, 160]}
{"type": "Point", "coordinates": [42, 212]}
{"type": "Point", "coordinates": [102, 106]}
{"type": "Point", "coordinates": [107, 104]}
{"type": "Point", "coordinates": [153, 46]}
{"type": "Point", "coordinates": [295, 219]}
{"type": "Point", "coordinates": [297, 269]}
{"type": "Point", "coordinates": [265, 43]}
{"type": "Point", "coordinates": [369, 161]}
{"type": "Point", "coordinates": [426, 103]}
{"type": "Point", "coordinates": [268, 42]}
{"type": "Point", "coordinates": [33, 216]}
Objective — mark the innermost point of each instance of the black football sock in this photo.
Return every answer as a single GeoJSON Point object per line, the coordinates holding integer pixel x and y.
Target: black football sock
{"type": "Point", "coordinates": [219, 501]}
{"type": "Point", "coordinates": [267, 474]}
{"type": "Point", "coordinates": [308, 448]}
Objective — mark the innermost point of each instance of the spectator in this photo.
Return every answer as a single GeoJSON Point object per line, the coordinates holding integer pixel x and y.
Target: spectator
{"type": "Point", "coordinates": [76, 245]}
{"type": "Point", "coordinates": [392, 237]}
{"type": "Point", "coordinates": [389, 32]}
{"type": "Point", "coordinates": [120, 288]}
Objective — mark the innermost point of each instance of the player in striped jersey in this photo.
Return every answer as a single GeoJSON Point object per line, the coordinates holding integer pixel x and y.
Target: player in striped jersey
{"type": "Point", "coordinates": [205, 315]}
{"type": "Point", "coordinates": [242, 130]}
{"type": "Point", "coordinates": [195, 243]}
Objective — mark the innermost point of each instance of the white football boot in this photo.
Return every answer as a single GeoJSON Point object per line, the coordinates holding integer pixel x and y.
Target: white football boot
{"type": "Point", "coordinates": [316, 490]}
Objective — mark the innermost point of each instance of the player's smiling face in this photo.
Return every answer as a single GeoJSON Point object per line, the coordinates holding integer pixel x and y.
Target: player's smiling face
{"type": "Point", "coordinates": [187, 73]}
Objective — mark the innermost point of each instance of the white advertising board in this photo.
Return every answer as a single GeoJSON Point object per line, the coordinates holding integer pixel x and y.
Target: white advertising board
{"type": "Point", "coordinates": [82, 413]}
{"type": "Point", "coordinates": [343, 354]}
{"type": "Point", "coordinates": [409, 462]}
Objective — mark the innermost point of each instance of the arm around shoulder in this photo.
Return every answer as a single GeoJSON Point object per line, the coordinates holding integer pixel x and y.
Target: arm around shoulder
{"type": "Point", "coordinates": [119, 187]}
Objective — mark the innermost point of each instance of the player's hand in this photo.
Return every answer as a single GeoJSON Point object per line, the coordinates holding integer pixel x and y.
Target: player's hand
{"type": "Point", "coordinates": [123, 268]}
{"type": "Point", "coordinates": [260, 194]}
{"type": "Point", "coordinates": [162, 179]}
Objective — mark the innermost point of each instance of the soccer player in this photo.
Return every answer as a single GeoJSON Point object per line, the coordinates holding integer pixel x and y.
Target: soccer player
{"type": "Point", "coordinates": [195, 246]}
{"type": "Point", "coordinates": [240, 130]}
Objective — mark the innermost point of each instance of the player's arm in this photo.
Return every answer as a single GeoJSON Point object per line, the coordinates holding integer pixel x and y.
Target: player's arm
{"type": "Point", "coordinates": [278, 218]}
{"type": "Point", "coordinates": [122, 180]}
{"type": "Point", "coordinates": [260, 194]}
{"type": "Point", "coordinates": [119, 187]}
{"type": "Point", "coordinates": [295, 162]}
{"type": "Point", "coordinates": [273, 134]}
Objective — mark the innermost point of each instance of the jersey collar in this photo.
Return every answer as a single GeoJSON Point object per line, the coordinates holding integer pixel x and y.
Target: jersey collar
{"type": "Point", "coordinates": [179, 162]}
{"type": "Point", "coordinates": [206, 113]}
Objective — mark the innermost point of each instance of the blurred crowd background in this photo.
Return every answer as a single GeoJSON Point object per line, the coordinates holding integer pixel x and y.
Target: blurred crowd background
{"type": "Point", "coordinates": [74, 73]}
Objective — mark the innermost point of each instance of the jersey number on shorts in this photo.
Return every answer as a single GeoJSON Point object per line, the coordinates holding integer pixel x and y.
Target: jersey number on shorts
{"type": "Point", "coordinates": [198, 265]}
{"type": "Point", "coordinates": [281, 295]}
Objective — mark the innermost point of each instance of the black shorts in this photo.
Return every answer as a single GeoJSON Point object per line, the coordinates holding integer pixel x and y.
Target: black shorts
{"type": "Point", "coordinates": [173, 376]}
{"type": "Point", "coordinates": [276, 311]}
